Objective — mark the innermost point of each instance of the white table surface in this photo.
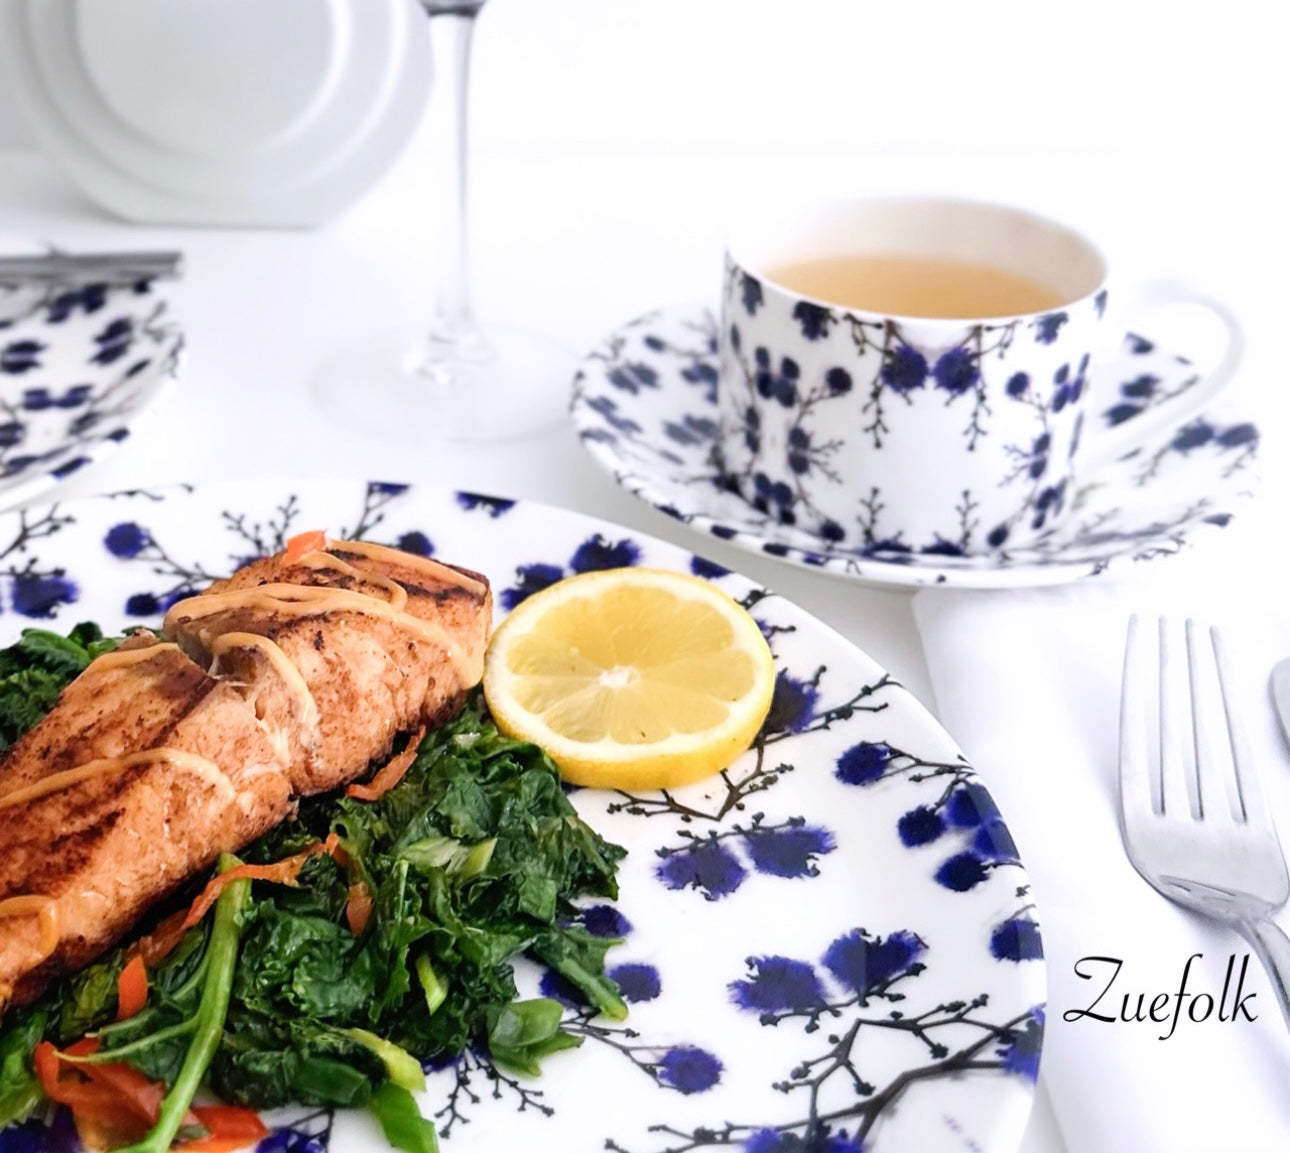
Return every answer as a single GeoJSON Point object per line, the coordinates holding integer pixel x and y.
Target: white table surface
{"type": "Point", "coordinates": [573, 245]}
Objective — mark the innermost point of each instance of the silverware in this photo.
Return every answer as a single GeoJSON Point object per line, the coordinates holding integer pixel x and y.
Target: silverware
{"type": "Point", "coordinates": [1280, 685]}
{"type": "Point", "coordinates": [1213, 849]}
{"type": "Point", "coordinates": [57, 267]}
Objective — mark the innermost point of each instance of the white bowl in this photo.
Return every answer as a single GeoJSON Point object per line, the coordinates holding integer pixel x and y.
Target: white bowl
{"type": "Point", "coordinates": [77, 366]}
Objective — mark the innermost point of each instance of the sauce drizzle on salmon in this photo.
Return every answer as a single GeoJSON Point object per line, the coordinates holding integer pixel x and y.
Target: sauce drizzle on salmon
{"type": "Point", "coordinates": [279, 660]}
{"type": "Point", "coordinates": [209, 771]}
{"type": "Point", "coordinates": [43, 908]}
{"type": "Point", "coordinates": [311, 600]}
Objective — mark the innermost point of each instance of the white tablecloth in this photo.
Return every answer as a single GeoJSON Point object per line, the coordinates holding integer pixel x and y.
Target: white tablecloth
{"type": "Point", "coordinates": [1029, 683]}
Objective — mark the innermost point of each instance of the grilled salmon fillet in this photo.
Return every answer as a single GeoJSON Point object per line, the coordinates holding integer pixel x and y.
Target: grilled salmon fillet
{"type": "Point", "coordinates": [92, 822]}
{"type": "Point", "coordinates": [289, 678]}
{"type": "Point", "coordinates": [382, 642]}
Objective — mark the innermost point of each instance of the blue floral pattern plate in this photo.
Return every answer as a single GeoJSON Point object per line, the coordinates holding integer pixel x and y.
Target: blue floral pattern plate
{"type": "Point", "coordinates": [645, 407]}
{"type": "Point", "coordinates": [77, 366]}
{"type": "Point", "coordinates": [830, 946]}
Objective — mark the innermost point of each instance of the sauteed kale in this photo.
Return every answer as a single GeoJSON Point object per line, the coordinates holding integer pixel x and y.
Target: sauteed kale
{"type": "Point", "coordinates": [474, 857]}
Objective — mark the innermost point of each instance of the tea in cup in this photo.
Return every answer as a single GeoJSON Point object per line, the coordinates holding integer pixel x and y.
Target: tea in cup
{"type": "Point", "coordinates": [908, 375]}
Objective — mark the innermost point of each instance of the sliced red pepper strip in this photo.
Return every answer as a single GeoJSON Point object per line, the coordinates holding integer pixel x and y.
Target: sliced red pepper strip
{"type": "Point", "coordinates": [161, 942]}
{"type": "Point", "coordinates": [131, 988]}
{"type": "Point", "coordinates": [112, 1103]}
{"type": "Point", "coordinates": [389, 774]}
{"type": "Point", "coordinates": [168, 934]}
{"type": "Point", "coordinates": [227, 1127]}
{"type": "Point", "coordinates": [283, 872]}
{"type": "Point", "coordinates": [302, 544]}
{"type": "Point", "coordinates": [358, 909]}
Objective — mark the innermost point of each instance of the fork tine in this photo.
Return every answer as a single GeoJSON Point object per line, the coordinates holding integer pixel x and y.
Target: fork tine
{"type": "Point", "coordinates": [1211, 797]}
{"type": "Point", "coordinates": [1176, 798]}
{"type": "Point", "coordinates": [1248, 790]}
{"type": "Point", "coordinates": [1135, 758]}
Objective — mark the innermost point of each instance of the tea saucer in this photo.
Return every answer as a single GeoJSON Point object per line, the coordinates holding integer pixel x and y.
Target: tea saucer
{"type": "Point", "coordinates": [645, 407]}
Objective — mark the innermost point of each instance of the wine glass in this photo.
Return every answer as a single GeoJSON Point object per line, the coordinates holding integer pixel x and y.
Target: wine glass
{"type": "Point", "coordinates": [457, 381]}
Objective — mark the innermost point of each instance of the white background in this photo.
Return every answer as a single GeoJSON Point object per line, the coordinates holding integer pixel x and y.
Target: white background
{"type": "Point", "coordinates": [1133, 78]}
{"type": "Point", "coordinates": [614, 138]}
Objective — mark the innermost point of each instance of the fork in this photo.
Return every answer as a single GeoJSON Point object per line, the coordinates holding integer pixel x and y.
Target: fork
{"type": "Point", "coordinates": [1218, 856]}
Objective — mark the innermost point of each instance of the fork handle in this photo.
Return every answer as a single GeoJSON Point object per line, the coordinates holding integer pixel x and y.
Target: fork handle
{"type": "Point", "coordinates": [1272, 947]}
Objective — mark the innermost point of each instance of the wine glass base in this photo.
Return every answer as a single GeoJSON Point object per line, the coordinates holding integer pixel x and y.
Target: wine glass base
{"type": "Point", "coordinates": [392, 386]}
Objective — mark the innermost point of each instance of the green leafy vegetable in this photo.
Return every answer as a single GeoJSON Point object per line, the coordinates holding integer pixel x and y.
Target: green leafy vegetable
{"type": "Point", "coordinates": [475, 857]}
{"type": "Point", "coordinates": [20, 1092]}
{"type": "Point", "coordinates": [208, 1024]}
{"type": "Point", "coordinates": [523, 1032]}
{"type": "Point", "coordinates": [401, 1121]}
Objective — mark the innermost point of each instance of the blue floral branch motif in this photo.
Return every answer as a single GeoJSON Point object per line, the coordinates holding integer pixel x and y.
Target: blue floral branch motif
{"type": "Point", "coordinates": [464, 1094]}
{"type": "Point", "coordinates": [309, 1133]}
{"type": "Point", "coordinates": [962, 808]}
{"type": "Point", "coordinates": [770, 381]}
{"type": "Point", "coordinates": [21, 356]}
{"type": "Point", "coordinates": [1145, 390]}
{"type": "Point", "coordinates": [377, 495]}
{"type": "Point", "coordinates": [1147, 541]}
{"type": "Point", "coordinates": [57, 301]}
{"type": "Point", "coordinates": [860, 982]}
{"type": "Point", "coordinates": [894, 549]}
{"type": "Point", "coordinates": [790, 849]}
{"type": "Point", "coordinates": [593, 554]}
{"type": "Point", "coordinates": [494, 506]}
{"type": "Point", "coordinates": [261, 538]}
{"type": "Point", "coordinates": [95, 414]}
{"type": "Point", "coordinates": [1018, 938]}
{"type": "Point", "coordinates": [630, 374]}
{"type": "Point", "coordinates": [34, 525]}
{"type": "Point", "coordinates": [1047, 327]}
{"type": "Point", "coordinates": [903, 373]}
{"type": "Point", "coordinates": [805, 454]}
{"type": "Point", "coordinates": [905, 368]}
{"type": "Point", "coordinates": [679, 1066]}
{"type": "Point", "coordinates": [131, 541]}
{"type": "Point", "coordinates": [1239, 441]}
{"type": "Point", "coordinates": [958, 371]}
{"type": "Point", "coordinates": [1043, 498]}
{"type": "Point", "coordinates": [36, 590]}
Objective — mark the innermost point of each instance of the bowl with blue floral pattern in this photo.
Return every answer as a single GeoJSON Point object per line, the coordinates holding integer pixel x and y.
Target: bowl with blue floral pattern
{"type": "Point", "coordinates": [645, 406]}
{"type": "Point", "coordinates": [78, 364]}
{"type": "Point", "coordinates": [831, 945]}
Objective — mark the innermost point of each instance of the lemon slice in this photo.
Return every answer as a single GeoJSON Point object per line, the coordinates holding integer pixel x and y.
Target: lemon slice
{"type": "Point", "coordinates": [631, 678]}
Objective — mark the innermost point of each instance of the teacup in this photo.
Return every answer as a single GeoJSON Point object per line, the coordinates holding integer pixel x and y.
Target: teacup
{"type": "Point", "coordinates": [913, 374]}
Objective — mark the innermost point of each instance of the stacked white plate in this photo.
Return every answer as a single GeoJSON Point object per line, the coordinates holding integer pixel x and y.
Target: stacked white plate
{"type": "Point", "coordinates": [232, 112]}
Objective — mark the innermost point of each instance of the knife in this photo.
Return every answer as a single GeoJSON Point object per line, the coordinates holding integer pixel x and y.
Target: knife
{"type": "Point", "coordinates": [1280, 684]}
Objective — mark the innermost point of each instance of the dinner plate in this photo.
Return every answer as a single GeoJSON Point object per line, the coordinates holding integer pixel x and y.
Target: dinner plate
{"type": "Point", "coordinates": [78, 367]}
{"type": "Point", "coordinates": [202, 115]}
{"type": "Point", "coordinates": [645, 407]}
{"type": "Point", "coordinates": [829, 946]}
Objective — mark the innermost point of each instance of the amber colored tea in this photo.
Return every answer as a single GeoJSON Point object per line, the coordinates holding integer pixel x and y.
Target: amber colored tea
{"type": "Point", "coordinates": [919, 286]}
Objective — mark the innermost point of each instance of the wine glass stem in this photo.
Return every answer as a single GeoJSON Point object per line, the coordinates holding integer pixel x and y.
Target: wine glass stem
{"type": "Point", "coordinates": [453, 326]}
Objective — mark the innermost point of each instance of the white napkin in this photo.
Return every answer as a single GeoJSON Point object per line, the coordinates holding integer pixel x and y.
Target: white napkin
{"type": "Point", "coordinates": [1028, 683]}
